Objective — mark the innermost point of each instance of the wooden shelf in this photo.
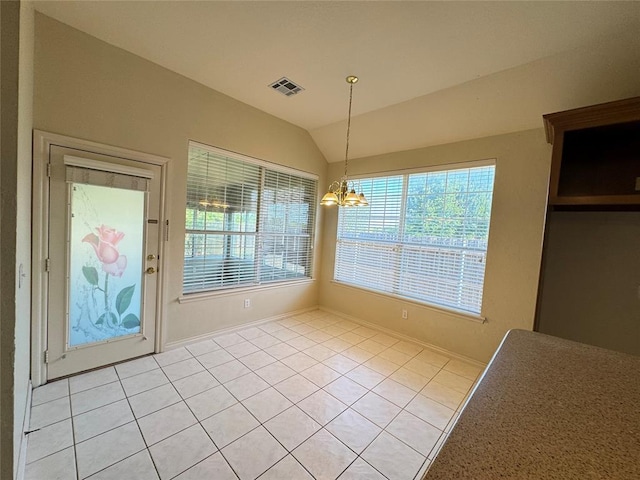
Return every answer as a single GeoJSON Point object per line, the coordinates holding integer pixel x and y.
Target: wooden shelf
{"type": "Point", "coordinates": [597, 200]}
{"type": "Point", "coordinates": [596, 155]}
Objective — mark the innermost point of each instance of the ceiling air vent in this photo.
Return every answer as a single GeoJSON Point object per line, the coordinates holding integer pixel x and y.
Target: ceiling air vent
{"type": "Point", "coordinates": [286, 87]}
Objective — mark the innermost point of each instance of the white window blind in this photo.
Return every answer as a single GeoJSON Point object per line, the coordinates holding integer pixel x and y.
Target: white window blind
{"type": "Point", "coordinates": [246, 223]}
{"type": "Point", "coordinates": [424, 236]}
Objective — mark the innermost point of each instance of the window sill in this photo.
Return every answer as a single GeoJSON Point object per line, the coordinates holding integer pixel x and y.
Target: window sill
{"type": "Point", "coordinates": [197, 297]}
{"type": "Point", "coordinates": [447, 311]}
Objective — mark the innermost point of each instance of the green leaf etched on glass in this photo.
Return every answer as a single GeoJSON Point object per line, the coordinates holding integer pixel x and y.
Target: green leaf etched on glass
{"type": "Point", "coordinates": [107, 316]}
{"type": "Point", "coordinates": [131, 321]}
{"type": "Point", "coordinates": [91, 274]}
{"type": "Point", "coordinates": [123, 300]}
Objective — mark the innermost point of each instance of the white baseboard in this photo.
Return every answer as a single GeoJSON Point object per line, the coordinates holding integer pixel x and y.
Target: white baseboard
{"type": "Point", "coordinates": [237, 328]}
{"type": "Point", "coordinates": [407, 338]}
{"type": "Point", "coordinates": [22, 457]}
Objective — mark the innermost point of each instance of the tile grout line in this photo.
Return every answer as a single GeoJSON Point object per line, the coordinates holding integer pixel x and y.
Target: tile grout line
{"type": "Point", "coordinates": [282, 459]}
{"type": "Point", "coordinates": [73, 433]}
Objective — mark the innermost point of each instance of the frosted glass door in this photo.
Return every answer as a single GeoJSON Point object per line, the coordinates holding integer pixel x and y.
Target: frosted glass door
{"type": "Point", "coordinates": [105, 232]}
{"type": "Point", "coordinates": [106, 252]}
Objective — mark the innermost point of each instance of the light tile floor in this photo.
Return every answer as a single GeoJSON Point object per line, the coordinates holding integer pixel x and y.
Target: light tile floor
{"type": "Point", "coordinates": [310, 396]}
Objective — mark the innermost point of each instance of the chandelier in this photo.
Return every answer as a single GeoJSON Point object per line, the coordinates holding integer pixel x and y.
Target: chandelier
{"type": "Point", "coordinates": [343, 192]}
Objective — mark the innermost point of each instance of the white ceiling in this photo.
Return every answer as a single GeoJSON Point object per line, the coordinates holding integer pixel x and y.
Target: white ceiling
{"type": "Point", "coordinates": [430, 72]}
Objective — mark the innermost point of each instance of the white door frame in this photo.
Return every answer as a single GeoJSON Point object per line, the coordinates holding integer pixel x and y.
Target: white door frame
{"type": "Point", "coordinates": [42, 143]}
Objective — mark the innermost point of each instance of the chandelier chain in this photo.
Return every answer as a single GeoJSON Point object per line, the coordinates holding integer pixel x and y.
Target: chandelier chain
{"type": "Point", "coordinates": [346, 153]}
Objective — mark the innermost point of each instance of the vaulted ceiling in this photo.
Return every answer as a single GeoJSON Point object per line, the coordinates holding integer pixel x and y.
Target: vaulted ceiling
{"type": "Point", "coordinates": [430, 72]}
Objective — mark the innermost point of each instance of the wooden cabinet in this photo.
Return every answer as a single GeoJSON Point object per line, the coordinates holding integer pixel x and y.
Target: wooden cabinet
{"type": "Point", "coordinates": [590, 273]}
{"type": "Point", "coordinates": [596, 156]}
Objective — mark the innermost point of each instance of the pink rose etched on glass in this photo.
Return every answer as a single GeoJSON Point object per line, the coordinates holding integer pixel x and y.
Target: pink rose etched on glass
{"type": "Point", "coordinates": [105, 245]}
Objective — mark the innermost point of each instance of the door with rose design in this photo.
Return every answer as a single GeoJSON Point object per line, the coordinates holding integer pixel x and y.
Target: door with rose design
{"type": "Point", "coordinates": [104, 237]}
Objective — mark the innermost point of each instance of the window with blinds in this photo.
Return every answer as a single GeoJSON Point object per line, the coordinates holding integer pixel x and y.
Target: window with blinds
{"type": "Point", "coordinates": [423, 237]}
{"type": "Point", "coordinates": [247, 223]}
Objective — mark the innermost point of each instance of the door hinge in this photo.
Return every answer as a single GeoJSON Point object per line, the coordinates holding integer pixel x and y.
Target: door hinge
{"type": "Point", "coordinates": [46, 356]}
{"type": "Point", "coordinates": [166, 231]}
{"type": "Point", "coordinates": [47, 265]}
{"type": "Point", "coordinates": [48, 170]}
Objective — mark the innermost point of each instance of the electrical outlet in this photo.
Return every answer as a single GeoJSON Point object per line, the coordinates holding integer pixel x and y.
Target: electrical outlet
{"type": "Point", "coordinates": [405, 315]}
{"type": "Point", "coordinates": [247, 302]}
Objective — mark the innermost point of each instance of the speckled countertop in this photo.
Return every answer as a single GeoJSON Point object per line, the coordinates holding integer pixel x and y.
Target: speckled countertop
{"type": "Point", "coordinates": [548, 408]}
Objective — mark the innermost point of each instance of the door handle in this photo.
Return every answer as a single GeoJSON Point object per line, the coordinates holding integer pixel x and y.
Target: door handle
{"type": "Point", "coordinates": [150, 270]}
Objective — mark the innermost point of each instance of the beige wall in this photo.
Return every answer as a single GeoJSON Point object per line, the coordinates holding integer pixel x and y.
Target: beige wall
{"type": "Point", "coordinates": [513, 258]}
{"type": "Point", "coordinates": [23, 228]}
{"type": "Point", "coordinates": [591, 279]}
{"type": "Point", "coordinates": [15, 187]}
{"type": "Point", "coordinates": [88, 89]}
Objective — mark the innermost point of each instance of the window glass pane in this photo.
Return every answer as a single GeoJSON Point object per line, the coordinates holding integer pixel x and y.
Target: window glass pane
{"type": "Point", "coordinates": [381, 220]}
{"type": "Point", "coordinates": [245, 223]}
{"type": "Point", "coordinates": [216, 261]}
{"type": "Point", "coordinates": [284, 257]}
{"type": "Point", "coordinates": [222, 192]}
{"type": "Point", "coordinates": [287, 219]}
{"type": "Point", "coordinates": [367, 264]}
{"type": "Point", "coordinates": [423, 237]}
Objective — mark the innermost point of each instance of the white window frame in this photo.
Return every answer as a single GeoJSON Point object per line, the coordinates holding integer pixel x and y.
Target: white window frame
{"type": "Point", "coordinates": [260, 233]}
{"type": "Point", "coordinates": [354, 261]}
